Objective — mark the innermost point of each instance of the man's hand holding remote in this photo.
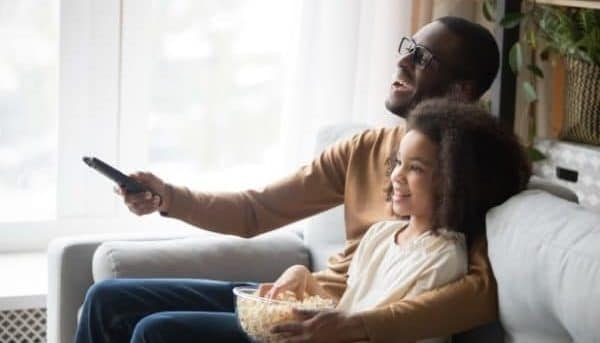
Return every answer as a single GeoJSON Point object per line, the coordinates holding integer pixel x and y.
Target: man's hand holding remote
{"type": "Point", "coordinates": [146, 202]}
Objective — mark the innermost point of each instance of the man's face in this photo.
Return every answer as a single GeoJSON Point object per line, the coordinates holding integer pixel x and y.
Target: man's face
{"type": "Point", "coordinates": [414, 82]}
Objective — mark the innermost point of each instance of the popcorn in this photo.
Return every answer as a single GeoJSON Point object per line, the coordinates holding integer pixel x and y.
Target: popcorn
{"type": "Point", "coordinates": [257, 315]}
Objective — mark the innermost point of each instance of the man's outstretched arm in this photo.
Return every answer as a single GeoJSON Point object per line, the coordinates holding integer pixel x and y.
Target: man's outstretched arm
{"type": "Point", "coordinates": [315, 187]}
{"type": "Point", "coordinates": [467, 303]}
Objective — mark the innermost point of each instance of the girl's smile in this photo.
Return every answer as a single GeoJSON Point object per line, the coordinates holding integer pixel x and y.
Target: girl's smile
{"type": "Point", "coordinates": [413, 177]}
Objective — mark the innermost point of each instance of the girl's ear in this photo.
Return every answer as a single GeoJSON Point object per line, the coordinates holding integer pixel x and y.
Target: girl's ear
{"type": "Point", "coordinates": [463, 91]}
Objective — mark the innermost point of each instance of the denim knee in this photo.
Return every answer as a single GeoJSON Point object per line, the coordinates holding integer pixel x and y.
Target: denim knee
{"type": "Point", "coordinates": [101, 292]}
{"type": "Point", "coordinates": [188, 327]}
{"type": "Point", "coordinates": [151, 328]}
{"type": "Point", "coordinates": [94, 316]}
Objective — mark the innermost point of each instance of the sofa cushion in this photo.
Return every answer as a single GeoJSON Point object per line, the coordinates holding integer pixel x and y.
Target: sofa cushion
{"type": "Point", "coordinates": [546, 258]}
{"type": "Point", "coordinates": [213, 256]}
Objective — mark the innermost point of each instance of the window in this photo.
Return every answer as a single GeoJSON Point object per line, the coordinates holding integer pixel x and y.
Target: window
{"type": "Point", "coordinates": [189, 89]}
{"type": "Point", "coordinates": [192, 90]}
{"type": "Point", "coordinates": [215, 88]}
{"type": "Point", "coordinates": [28, 109]}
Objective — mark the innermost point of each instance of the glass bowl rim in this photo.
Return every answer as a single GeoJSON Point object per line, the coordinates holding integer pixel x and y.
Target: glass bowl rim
{"type": "Point", "coordinates": [239, 291]}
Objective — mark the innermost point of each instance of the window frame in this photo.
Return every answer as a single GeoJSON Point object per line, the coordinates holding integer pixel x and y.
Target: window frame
{"type": "Point", "coordinates": [89, 123]}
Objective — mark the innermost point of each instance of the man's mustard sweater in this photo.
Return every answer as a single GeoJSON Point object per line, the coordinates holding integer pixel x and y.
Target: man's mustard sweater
{"type": "Point", "coordinates": [355, 173]}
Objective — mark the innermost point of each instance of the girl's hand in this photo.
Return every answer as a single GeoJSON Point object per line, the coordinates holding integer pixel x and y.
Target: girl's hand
{"type": "Point", "coordinates": [322, 326]}
{"type": "Point", "coordinates": [297, 279]}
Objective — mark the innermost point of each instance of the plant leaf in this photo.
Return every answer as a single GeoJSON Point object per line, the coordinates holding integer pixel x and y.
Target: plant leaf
{"type": "Point", "coordinates": [536, 70]}
{"type": "Point", "coordinates": [515, 58]}
{"type": "Point", "coordinates": [488, 10]}
{"type": "Point", "coordinates": [534, 154]}
{"type": "Point", "coordinates": [511, 20]}
{"type": "Point", "coordinates": [530, 94]}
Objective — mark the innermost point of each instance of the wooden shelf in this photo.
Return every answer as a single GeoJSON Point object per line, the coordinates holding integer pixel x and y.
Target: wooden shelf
{"type": "Point", "coordinates": [595, 4]}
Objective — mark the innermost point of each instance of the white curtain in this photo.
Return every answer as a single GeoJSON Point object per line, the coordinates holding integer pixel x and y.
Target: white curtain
{"type": "Point", "coordinates": [342, 68]}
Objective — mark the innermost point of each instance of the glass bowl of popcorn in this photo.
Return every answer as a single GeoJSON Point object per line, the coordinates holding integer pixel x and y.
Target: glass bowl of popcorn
{"type": "Point", "coordinates": [257, 315]}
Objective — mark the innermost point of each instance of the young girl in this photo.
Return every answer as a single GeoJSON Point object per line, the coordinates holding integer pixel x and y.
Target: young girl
{"type": "Point", "coordinates": [454, 163]}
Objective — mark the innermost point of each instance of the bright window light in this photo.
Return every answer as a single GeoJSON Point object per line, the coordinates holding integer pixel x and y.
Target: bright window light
{"type": "Point", "coordinates": [216, 84]}
{"type": "Point", "coordinates": [28, 109]}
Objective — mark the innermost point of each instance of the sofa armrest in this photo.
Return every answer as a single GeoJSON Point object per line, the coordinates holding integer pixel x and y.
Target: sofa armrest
{"type": "Point", "coordinates": [220, 257]}
{"type": "Point", "coordinates": [69, 277]}
{"type": "Point", "coordinates": [75, 263]}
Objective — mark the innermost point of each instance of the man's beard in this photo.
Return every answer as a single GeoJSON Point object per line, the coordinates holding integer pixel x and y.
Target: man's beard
{"type": "Point", "coordinates": [402, 110]}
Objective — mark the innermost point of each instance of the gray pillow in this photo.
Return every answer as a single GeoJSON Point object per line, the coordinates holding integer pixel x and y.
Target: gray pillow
{"type": "Point", "coordinates": [212, 256]}
{"type": "Point", "coordinates": [545, 253]}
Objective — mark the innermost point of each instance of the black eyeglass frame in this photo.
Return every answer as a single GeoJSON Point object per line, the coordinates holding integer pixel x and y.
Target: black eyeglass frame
{"type": "Point", "coordinates": [416, 46]}
{"type": "Point", "coordinates": [457, 71]}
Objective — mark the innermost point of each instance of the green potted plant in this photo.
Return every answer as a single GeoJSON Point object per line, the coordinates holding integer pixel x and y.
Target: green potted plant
{"type": "Point", "coordinates": [573, 33]}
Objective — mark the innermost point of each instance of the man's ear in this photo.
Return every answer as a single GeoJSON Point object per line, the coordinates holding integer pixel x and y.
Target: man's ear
{"type": "Point", "coordinates": [463, 91]}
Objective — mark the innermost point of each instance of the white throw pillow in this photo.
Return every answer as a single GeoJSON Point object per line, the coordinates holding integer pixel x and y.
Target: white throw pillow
{"type": "Point", "coordinates": [545, 253]}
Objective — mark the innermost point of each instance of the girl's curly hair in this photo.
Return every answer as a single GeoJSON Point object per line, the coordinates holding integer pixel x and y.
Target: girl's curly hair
{"type": "Point", "coordinates": [480, 163]}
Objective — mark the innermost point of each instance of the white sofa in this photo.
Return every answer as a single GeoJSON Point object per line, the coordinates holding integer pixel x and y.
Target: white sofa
{"type": "Point", "coordinates": [528, 313]}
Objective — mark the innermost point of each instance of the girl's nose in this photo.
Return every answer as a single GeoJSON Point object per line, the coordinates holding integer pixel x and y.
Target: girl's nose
{"type": "Point", "coordinates": [397, 174]}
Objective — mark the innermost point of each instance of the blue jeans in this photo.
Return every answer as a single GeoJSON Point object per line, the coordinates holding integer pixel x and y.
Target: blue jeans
{"type": "Point", "coordinates": [160, 310]}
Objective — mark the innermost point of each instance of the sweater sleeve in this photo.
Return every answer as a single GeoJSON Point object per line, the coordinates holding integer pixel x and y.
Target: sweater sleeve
{"type": "Point", "coordinates": [315, 187]}
{"type": "Point", "coordinates": [461, 305]}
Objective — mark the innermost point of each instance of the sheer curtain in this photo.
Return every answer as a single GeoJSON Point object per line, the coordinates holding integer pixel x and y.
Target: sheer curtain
{"type": "Point", "coordinates": [342, 68]}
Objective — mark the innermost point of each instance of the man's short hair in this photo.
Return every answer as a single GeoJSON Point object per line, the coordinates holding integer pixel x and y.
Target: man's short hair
{"type": "Point", "coordinates": [478, 50]}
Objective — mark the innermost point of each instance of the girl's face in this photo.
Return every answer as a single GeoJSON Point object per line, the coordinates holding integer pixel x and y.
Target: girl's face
{"type": "Point", "coordinates": [414, 175]}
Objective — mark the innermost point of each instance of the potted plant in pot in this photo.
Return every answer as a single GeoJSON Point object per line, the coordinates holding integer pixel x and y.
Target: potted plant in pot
{"type": "Point", "coordinates": [573, 33]}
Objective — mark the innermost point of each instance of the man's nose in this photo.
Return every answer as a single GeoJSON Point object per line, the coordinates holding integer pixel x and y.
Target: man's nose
{"type": "Point", "coordinates": [406, 61]}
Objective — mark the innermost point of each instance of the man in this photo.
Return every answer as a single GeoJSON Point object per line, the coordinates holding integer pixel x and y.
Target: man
{"type": "Point", "coordinates": [449, 57]}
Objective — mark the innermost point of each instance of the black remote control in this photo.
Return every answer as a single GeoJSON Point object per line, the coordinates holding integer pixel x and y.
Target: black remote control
{"type": "Point", "coordinates": [124, 181]}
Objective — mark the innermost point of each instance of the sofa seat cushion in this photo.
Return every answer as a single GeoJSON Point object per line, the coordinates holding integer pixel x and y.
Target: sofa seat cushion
{"type": "Point", "coordinates": [545, 253]}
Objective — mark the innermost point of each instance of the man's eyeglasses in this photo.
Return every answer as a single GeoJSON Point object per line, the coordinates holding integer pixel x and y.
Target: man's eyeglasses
{"type": "Point", "coordinates": [421, 56]}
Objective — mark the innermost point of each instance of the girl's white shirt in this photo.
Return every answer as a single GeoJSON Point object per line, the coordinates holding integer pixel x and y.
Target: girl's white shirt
{"type": "Point", "coordinates": [383, 272]}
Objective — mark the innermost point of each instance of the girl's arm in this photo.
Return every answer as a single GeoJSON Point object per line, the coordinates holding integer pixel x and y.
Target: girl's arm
{"type": "Point", "coordinates": [297, 279]}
